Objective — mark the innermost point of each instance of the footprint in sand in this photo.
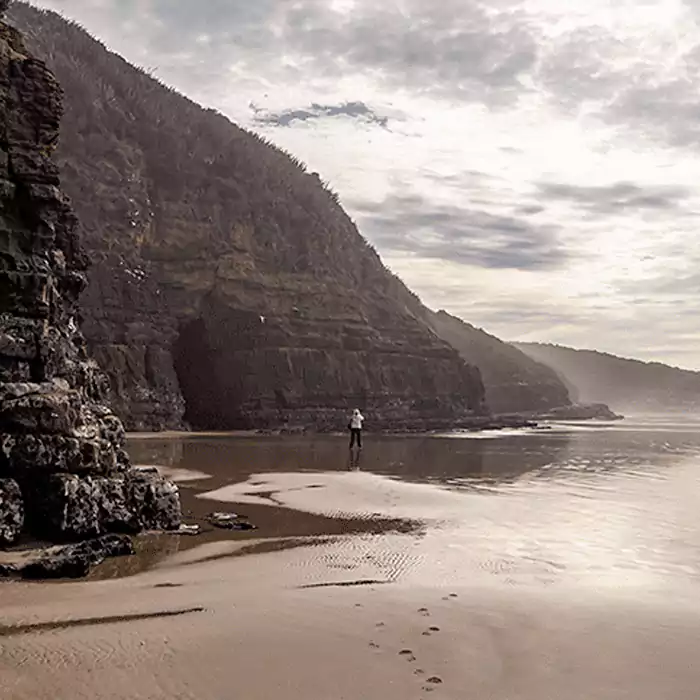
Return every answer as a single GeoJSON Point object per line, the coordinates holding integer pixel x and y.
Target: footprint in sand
{"type": "Point", "coordinates": [380, 624]}
{"type": "Point", "coordinates": [419, 672]}
{"type": "Point", "coordinates": [408, 655]}
{"type": "Point", "coordinates": [434, 629]}
{"type": "Point", "coordinates": [424, 611]}
{"type": "Point", "coordinates": [431, 683]}
{"type": "Point", "coordinates": [373, 645]}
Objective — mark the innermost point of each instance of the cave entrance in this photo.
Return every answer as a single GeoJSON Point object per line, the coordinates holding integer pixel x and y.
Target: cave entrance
{"type": "Point", "coordinates": [208, 400]}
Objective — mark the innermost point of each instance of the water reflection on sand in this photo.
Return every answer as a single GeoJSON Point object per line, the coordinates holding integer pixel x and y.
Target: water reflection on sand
{"type": "Point", "coordinates": [555, 565]}
{"type": "Point", "coordinates": [599, 505]}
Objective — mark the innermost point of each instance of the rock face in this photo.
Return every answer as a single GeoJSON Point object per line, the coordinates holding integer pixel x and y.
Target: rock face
{"type": "Point", "coordinates": [90, 506]}
{"type": "Point", "coordinates": [588, 411]}
{"type": "Point", "coordinates": [60, 446]}
{"type": "Point", "coordinates": [11, 512]}
{"type": "Point", "coordinates": [625, 384]}
{"type": "Point", "coordinates": [515, 383]}
{"type": "Point", "coordinates": [230, 289]}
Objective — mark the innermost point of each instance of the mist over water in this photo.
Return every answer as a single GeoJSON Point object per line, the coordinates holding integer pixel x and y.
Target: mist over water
{"type": "Point", "coordinates": [588, 505]}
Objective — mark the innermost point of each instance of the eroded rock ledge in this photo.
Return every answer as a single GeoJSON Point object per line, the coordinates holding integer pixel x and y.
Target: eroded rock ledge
{"type": "Point", "coordinates": [64, 474]}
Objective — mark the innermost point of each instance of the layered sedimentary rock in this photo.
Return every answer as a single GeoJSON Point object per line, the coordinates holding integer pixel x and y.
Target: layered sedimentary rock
{"type": "Point", "coordinates": [230, 289]}
{"type": "Point", "coordinates": [514, 381]}
{"type": "Point", "coordinates": [64, 473]}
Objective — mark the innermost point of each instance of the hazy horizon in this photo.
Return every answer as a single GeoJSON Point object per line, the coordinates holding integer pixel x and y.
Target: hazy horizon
{"type": "Point", "coordinates": [529, 168]}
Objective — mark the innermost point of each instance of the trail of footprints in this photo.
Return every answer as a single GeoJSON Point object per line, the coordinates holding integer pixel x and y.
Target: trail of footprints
{"type": "Point", "coordinates": [431, 682]}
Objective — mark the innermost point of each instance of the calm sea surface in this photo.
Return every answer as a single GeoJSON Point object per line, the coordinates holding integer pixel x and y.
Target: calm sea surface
{"type": "Point", "coordinates": [592, 505]}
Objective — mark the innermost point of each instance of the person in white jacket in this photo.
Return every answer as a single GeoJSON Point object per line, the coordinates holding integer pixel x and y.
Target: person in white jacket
{"type": "Point", "coordinates": [355, 427]}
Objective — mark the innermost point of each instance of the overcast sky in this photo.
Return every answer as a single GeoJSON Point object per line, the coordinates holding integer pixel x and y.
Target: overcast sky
{"type": "Point", "coordinates": [532, 166]}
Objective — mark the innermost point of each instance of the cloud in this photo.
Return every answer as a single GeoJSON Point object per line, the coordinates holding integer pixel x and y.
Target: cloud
{"type": "Point", "coordinates": [354, 110]}
{"type": "Point", "coordinates": [629, 68]}
{"type": "Point", "coordinates": [417, 225]}
{"type": "Point", "coordinates": [620, 197]}
{"type": "Point", "coordinates": [454, 48]}
{"type": "Point", "coordinates": [530, 209]}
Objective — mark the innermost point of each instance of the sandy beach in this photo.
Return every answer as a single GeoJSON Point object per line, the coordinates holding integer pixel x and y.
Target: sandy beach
{"type": "Point", "coordinates": [569, 576]}
{"type": "Point", "coordinates": [254, 627]}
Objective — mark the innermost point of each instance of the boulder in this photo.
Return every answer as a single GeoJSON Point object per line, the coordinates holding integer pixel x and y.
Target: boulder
{"type": "Point", "coordinates": [153, 500]}
{"type": "Point", "coordinates": [70, 507]}
{"type": "Point", "coordinates": [76, 560]}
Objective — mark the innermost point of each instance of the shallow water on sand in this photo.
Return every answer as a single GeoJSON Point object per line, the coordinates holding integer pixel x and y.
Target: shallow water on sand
{"type": "Point", "coordinates": [589, 505]}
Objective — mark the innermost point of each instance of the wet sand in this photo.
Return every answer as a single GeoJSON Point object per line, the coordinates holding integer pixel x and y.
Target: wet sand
{"type": "Point", "coordinates": [562, 568]}
{"type": "Point", "coordinates": [254, 628]}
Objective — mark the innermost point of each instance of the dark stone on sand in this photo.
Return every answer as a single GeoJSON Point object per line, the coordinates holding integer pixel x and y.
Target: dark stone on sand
{"type": "Point", "coordinates": [11, 512]}
{"type": "Point", "coordinates": [229, 521]}
{"type": "Point", "coordinates": [75, 560]}
{"type": "Point", "coordinates": [190, 530]}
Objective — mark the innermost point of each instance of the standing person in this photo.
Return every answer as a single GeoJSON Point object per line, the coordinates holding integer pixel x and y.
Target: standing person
{"type": "Point", "coordinates": [355, 427]}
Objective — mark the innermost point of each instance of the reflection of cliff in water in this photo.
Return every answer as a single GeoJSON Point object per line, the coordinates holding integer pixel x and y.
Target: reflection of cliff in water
{"type": "Point", "coordinates": [417, 459]}
{"type": "Point", "coordinates": [162, 452]}
{"type": "Point", "coordinates": [150, 550]}
{"type": "Point", "coordinates": [446, 460]}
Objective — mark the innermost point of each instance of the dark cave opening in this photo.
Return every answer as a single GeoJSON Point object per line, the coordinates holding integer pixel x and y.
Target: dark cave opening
{"type": "Point", "coordinates": [207, 400]}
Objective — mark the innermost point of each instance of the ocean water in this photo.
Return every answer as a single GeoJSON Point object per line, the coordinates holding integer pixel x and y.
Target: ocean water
{"type": "Point", "coordinates": [588, 505]}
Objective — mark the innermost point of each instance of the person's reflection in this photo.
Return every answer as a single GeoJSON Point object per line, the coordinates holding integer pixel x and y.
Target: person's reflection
{"type": "Point", "coordinates": [354, 460]}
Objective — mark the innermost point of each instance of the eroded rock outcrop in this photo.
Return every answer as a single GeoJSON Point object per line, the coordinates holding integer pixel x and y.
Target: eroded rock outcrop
{"type": "Point", "coordinates": [64, 473]}
{"type": "Point", "coordinates": [231, 290]}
